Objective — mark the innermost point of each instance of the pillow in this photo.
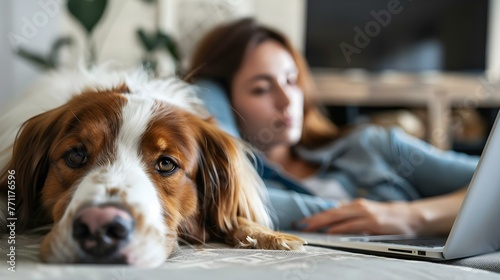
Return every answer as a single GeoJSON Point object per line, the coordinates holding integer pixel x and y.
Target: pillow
{"type": "Point", "coordinates": [216, 102]}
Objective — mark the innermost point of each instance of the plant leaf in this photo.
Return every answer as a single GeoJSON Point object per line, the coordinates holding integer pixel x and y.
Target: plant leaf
{"type": "Point", "coordinates": [53, 58]}
{"type": "Point", "coordinates": [169, 44]}
{"type": "Point", "coordinates": [148, 43]}
{"type": "Point", "coordinates": [36, 59]}
{"type": "Point", "coordinates": [150, 1]}
{"type": "Point", "coordinates": [87, 12]}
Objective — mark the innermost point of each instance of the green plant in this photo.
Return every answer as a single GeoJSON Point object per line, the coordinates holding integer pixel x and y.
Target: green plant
{"type": "Point", "coordinates": [157, 40]}
{"type": "Point", "coordinates": [88, 13]}
{"type": "Point", "coordinates": [49, 61]}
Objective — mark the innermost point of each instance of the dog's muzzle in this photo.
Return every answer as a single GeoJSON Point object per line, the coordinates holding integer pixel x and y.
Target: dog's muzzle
{"type": "Point", "coordinates": [102, 231]}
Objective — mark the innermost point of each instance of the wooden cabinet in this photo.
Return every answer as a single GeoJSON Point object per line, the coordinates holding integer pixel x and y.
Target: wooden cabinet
{"type": "Point", "coordinates": [437, 92]}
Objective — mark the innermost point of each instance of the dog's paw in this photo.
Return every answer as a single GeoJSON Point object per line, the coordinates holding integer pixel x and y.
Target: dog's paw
{"type": "Point", "coordinates": [273, 241]}
{"type": "Point", "coordinates": [254, 236]}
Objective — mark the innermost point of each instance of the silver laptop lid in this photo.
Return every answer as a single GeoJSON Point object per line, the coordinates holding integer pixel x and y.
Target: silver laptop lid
{"type": "Point", "coordinates": [477, 229]}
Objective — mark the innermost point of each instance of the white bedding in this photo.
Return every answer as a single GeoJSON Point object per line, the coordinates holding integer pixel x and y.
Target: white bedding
{"type": "Point", "coordinates": [218, 261]}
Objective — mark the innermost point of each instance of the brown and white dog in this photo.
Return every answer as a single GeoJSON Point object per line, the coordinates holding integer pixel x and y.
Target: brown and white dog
{"type": "Point", "coordinates": [124, 166]}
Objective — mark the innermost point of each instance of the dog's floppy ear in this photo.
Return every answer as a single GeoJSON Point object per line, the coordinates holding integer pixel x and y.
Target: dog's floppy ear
{"type": "Point", "coordinates": [227, 181]}
{"type": "Point", "coordinates": [30, 163]}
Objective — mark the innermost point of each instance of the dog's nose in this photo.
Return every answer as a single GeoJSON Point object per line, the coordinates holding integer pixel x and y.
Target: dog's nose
{"type": "Point", "coordinates": [102, 230]}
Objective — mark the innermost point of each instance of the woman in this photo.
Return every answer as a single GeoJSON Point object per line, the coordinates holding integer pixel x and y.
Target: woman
{"type": "Point", "coordinates": [368, 180]}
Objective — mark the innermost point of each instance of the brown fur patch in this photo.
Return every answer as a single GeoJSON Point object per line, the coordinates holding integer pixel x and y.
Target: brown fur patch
{"type": "Point", "coordinates": [90, 120]}
{"type": "Point", "coordinates": [113, 191]}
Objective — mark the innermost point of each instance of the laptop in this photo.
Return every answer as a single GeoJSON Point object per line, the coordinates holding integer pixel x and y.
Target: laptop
{"type": "Point", "coordinates": [476, 229]}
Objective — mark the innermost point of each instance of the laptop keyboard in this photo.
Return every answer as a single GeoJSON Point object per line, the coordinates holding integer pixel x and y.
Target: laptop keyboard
{"type": "Point", "coordinates": [421, 242]}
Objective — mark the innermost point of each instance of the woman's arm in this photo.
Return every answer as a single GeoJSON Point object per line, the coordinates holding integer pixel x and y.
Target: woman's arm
{"type": "Point", "coordinates": [437, 214]}
{"type": "Point", "coordinates": [433, 215]}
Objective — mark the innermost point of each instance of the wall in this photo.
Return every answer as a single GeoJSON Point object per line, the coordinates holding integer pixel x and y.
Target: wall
{"type": "Point", "coordinates": [288, 16]}
{"type": "Point", "coordinates": [29, 25]}
{"type": "Point", "coordinates": [188, 20]}
{"type": "Point", "coordinates": [5, 57]}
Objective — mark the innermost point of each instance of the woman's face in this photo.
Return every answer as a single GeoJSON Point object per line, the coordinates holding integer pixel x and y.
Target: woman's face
{"type": "Point", "coordinates": [266, 97]}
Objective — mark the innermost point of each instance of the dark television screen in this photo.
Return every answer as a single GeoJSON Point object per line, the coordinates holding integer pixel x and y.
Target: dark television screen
{"type": "Point", "coordinates": [406, 35]}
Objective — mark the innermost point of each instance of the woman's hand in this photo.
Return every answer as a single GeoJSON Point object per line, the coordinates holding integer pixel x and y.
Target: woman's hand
{"type": "Point", "coordinates": [366, 217]}
{"type": "Point", "coordinates": [434, 215]}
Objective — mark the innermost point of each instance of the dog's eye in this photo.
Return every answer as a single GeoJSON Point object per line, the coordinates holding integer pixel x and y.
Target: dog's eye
{"type": "Point", "coordinates": [166, 166]}
{"type": "Point", "coordinates": [76, 158]}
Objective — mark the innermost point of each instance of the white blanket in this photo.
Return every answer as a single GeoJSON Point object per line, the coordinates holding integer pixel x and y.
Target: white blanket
{"type": "Point", "coordinates": [218, 261]}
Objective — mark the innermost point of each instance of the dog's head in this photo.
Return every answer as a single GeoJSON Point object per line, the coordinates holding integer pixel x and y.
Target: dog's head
{"type": "Point", "coordinates": [122, 174]}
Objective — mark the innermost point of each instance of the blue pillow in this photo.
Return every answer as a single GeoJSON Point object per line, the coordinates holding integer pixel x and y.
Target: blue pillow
{"type": "Point", "coordinates": [218, 105]}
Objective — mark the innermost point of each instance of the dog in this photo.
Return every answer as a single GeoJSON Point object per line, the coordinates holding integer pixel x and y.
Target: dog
{"type": "Point", "coordinates": [124, 167]}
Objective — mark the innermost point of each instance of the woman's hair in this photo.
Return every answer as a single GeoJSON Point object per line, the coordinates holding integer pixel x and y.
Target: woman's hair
{"type": "Point", "coordinates": [219, 55]}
